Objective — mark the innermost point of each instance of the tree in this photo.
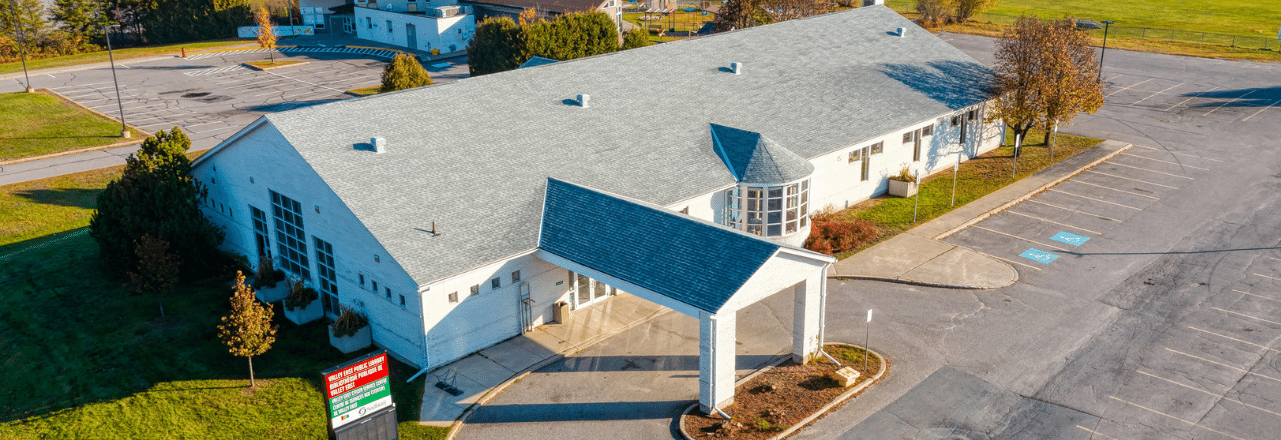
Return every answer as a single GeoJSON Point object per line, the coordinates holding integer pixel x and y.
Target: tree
{"type": "Point", "coordinates": [266, 33]}
{"type": "Point", "coordinates": [935, 13]}
{"type": "Point", "coordinates": [528, 16]}
{"type": "Point", "coordinates": [1045, 73]}
{"type": "Point", "coordinates": [495, 47]}
{"type": "Point", "coordinates": [247, 331]}
{"type": "Point", "coordinates": [83, 18]}
{"type": "Point", "coordinates": [404, 72]}
{"type": "Point", "coordinates": [967, 9]}
{"type": "Point", "coordinates": [31, 15]}
{"type": "Point", "coordinates": [174, 21]}
{"type": "Point", "coordinates": [635, 38]}
{"type": "Point", "coordinates": [157, 270]}
{"type": "Point", "coordinates": [157, 196]}
{"type": "Point", "coordinates": [742, 14]}
{"type": "Point", "coordinates": [500, 44]}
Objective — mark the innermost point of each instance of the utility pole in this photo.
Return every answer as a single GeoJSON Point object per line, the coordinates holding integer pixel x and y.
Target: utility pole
{"type": "Point", "coordinates": [1107, 24]}
{"type": "Point", "coordinates": [22, 45]}
{"type": "Point", "coordinates": [106, 33]}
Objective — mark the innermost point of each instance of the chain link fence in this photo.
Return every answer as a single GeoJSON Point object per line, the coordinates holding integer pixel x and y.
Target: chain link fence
{"type": "Point", "coordinates": [1141, 33]}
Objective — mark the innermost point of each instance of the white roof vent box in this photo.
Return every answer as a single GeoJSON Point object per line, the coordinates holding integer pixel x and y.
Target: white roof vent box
{"type": "Point", "coordinates": [736, 68]}
{"type": "Point", "coordinates": [902, 32]}
{"type": "Point", "coordinates": [380, 145]}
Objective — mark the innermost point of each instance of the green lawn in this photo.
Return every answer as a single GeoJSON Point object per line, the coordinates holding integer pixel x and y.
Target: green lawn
{"type": "Point", "coordinates": [682, 21]}
{"type": "Point", "coordinates": [976, 178]}
{"type": "Point", "coordinates": [1239, 17]}
{"type": "Point", "coordinates": [80, 357]}
{"type": "Point", "coordinates": [120, 54]}
{"type": "Point", "coordinates": [371, 90]}
{"type": "Point", "coordinates": [32, 124]}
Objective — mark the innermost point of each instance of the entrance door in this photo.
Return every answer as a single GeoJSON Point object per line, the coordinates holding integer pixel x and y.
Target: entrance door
{"type": "Point", "coordinates": [589, 291]}
{"type": "Point", "coordinates": [411, 35]}
{"type": "Point", "coordinates": [916, 146]}
{"type": "Point", "coordinates": [867, 160]}
{"type": "Point", "coordinates": [525, 309]}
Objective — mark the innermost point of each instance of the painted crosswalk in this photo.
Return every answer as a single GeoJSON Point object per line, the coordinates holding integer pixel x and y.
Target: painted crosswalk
{"type": "Point", "coordinates": [382, 53]}
{"type": "Point", "coordinates": [215, 70]}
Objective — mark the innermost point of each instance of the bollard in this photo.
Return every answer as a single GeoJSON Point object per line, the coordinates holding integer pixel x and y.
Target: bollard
{"type": "Point", "coordinates": [184, 52]}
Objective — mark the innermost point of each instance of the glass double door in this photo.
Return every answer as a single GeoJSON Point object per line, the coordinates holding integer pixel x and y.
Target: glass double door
{"type": "Point", "coordinates": [588, 291]}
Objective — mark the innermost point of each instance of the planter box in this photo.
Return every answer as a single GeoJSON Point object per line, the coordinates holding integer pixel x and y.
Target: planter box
{"type": "Point", "coordinates": [303, 315]}
{"type": "Point", "coordinates": [348, 344]}
{"type": "Point", "coordinates": [900, 188]}
{"type": "Point", "coordinates": [272, 294]}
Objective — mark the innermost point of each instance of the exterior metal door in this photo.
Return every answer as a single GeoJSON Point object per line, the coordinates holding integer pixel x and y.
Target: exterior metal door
{"type": "Point", "coordinates": [526, 309]}
{"type": "Point", "coordinates": [916, 146]}
{"type": "Point", "coordinates": [411, 35]}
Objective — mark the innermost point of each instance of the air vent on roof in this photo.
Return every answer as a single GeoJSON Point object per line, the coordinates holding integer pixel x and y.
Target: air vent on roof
{"type": "Point", "coordinates": [901, 32]}
{"type": "Point", "coordinates": [737, 68]}
{"type": "Point", "coordinates": [582, 100]}
{"type": "Point", "coordinates": [380, 145]}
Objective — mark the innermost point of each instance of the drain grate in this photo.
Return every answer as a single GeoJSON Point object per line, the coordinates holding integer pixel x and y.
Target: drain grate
{"type": "Point", "coordinates": [195, 95]}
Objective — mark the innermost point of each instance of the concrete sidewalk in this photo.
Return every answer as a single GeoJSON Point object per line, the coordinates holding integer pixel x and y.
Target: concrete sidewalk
{"type": "Point", "coordinates": [486, 373]}
{"type": "Point", "coordinates": [919, 256]}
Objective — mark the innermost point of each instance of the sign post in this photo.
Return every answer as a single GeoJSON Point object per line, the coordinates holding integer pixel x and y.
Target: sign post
{"type": "Point", "coordinates": [358, 390]}
{"type": "Point", "coordinates": [867, 338]}
{"type": "Point", "coordinates": [956, 168]}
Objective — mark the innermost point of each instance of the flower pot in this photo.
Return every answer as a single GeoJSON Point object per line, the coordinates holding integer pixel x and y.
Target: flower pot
{"type": "Point", "coordinates": [900, 188]}
{"type": "Point", "coordinates": [303, 315]}
{"type": "Point", "coordinates": [272, 294]}
{"type": "Point", "coordinates": [348, 344]}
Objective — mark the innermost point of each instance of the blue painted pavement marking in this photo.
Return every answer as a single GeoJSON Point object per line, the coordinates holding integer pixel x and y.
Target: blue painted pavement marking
{"type": "Point", "coordinates": [1039, 256]}
{"type": "Point", "coordinates": [1069, 238]}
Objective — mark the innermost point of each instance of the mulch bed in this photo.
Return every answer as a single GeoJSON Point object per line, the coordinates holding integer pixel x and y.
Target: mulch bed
{"type": "Point", "coordinates": [781, 397]}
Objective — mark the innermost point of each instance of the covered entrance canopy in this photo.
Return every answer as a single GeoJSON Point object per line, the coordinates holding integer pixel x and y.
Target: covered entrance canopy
{"type": "Point", "coordinates": [695, 267]}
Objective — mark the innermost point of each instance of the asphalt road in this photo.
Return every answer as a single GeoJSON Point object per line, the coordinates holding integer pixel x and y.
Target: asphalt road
{"type": "Point", "coordinates": [1148, 306]}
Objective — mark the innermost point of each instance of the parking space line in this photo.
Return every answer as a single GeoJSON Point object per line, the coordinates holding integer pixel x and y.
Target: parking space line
{"type": "Point", "coordinates": [1073, 210]}
{"type": "Point", "coordinates": [1246, 316]}
{"type": "Point", "coordinates": [1157, 93]}
{"type": "Point", "coordinates": [1010, 261]}
{"type": "Point", "coordinates": [1235, 339]}
{"type": "Point", "coordinates": [1265, 276]}
{"type": "Point", "coordinates": [1021, 238]}
{"type": "Point", "coordinates": [1176, 152]}
{"type": "Point", "coordinates": [1128, 87]}
{"type": "Point", "coordinates": [205, 123]}
{"type": "Point", "coordinates": [1217, 396]}
{"type": "Point", "coordinates": [304, 82]}
{"type": "Point", "coordinates": [1094, 433]}
{"type": "Point", "coordinates": [1193, 97]}
{"type": "Point", "coordinates": [1221, 364]}
{"type": "Point", "coordinates": [79, 85]}
{"type": "Point", "coordinates": [308, 92]}
{"type": "Point", "coordinates": [1094, 199]}
{"type": "Point", "coordinates": [1150, 171]}
{"type": "Point", "coordinates": [1053, 222]}
{"type": "Point", "coordinates": [216, 129]}
{"type": "Point", "coordinates": [1260, 296]}
{"type": "Point", "coordinates": [1114, 189]}
{"type": "Point", "coordinates": [1127, 178]}
{"type": "Point", "coordinates": [1275, 258]}
{"type": "Point", "coordinates": [1229, 102]}
{"type": "Point", "coordinates": [1165, 161]}
{"type": "Point", "coordinates": [1194, 424]}
{"type": "Point", "coordinates": [1261, 111]}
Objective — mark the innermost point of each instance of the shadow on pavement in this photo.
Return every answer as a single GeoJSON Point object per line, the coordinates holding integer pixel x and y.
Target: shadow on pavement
{"type": "Point", "coordinates": [1248, 97]}
{"type": "Point", "coordinates": [564, 412]}
{"type": "Point", "coordinates": [580, 364]}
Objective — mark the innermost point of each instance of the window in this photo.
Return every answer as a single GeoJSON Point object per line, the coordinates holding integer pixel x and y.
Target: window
{"type": "Point", "coordinates": [389, 28]}
{"type": "Point", "coordinates": [516, 276]}
{"type": "Point", "coordinates": [411, 7]}
{"type": "Point", "coordinates": [770, 211]}
{"type": "Point", "coordinates": [327, 276]}
{"type": "Point", "coordinates": [475, 290]}
{"type": "Point", "coordinates": [453, 297]}
{"type": "Point", "coordinates": [388, 291]}
{"type": "Point", "coordinates": [260, 231]}
{"type": "Point", "coordinates": [369, 23]}
{"type": "Point", "coordinates": [495, 283]}
{"type": "Point", "coordinates": [362, 280]}
{"type": "Point", "coordinates": [878, 148]}
{"type": "Point", "coordinates": [972, 115]}
{"type": "Point", "coordinates": [956, 120]}
{"type": "Point", "coordinates": [291, 242]}
{"type": "Point", "coordinates": [856, 155]}
{"type": "Point", "coordinates": [402, 300]}
{"type": "Point", "coordinates": [927, 130]}
{"type": "Point", "coordinates": [909, 137]}
{"type": "Point", "coordinates": [374, 284]}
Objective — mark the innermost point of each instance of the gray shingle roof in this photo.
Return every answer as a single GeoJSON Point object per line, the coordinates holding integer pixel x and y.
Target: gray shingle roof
{"type": "Point", "coordinates": [536, 61]}
{"type": "Point", "coordinates": [670, 254]}
{"type": "Point", "coordinates": [754, 158]}
{"type": "Point", "coordinates": [473, 155]}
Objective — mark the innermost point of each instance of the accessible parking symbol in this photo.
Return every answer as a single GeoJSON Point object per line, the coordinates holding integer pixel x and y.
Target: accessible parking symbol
{"type": "Point", "coordinates": [1069, 238]}
{"type": "Point", "coordinates": [1039, 256]}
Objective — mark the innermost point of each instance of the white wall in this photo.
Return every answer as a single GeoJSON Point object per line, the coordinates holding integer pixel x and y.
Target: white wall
{"type": "Point", "coordinates": [227, 174]}
{"type": "Point", "coordinates": [433, 33]}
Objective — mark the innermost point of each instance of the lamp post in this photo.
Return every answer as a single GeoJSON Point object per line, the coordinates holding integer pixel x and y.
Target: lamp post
{"type": "Point", "coordinates": [106, 33]}
{"type": "Point", "coordinates": [22, 45]}
{"type": "Point", "coordinates": [1107, 24]}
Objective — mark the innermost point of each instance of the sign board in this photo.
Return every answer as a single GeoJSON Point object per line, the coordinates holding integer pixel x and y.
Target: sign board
{"type": "Point", "coordinates": [357, 389]}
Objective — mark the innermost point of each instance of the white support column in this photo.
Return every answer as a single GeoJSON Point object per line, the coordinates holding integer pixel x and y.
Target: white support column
{"type": "Point", "coordinates": [717, 335]}
{"type": "Point", "coordinates": [806, 318]}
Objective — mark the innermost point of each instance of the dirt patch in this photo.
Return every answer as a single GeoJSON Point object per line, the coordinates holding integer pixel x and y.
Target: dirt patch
{"type": "Point", "coordinates": [781, 397]}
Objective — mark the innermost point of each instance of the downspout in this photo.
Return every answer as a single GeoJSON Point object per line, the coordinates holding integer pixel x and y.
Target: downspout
{"type": "Point", "coordinates": [822, 315]}
{"type": "Point", "coordinates": [422, 316]}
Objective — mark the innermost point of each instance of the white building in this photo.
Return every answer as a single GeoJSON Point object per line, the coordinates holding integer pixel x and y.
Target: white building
{"type": "Point", "coordinates": [674, 177]}
{"type": "Point", "coordinates": [422, 25]}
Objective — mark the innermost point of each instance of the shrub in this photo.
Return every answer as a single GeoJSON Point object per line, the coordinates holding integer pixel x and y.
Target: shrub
{"type": "Point", "coordinates": [967, 9]}
{"type": "Point", "coordinates": [267, 275]}
{"type": "Point", "coordinates": [349, 322]}
{"type": "Point", "coordinates": [635, 38]}
{"type": "Point", "coordinates": [935, 13]}
{"type": "Point", "coordinates": [832, 234]}
{"type": "Point", "coordinates": [299, 295]}
{"type": "Point", "coordinates": [404, 72]}
{"type": "Point", "coordinates": [904, 175]}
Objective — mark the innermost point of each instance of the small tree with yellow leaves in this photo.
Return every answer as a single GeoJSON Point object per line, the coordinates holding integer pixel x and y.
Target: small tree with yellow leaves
{"type": "Point", "coordinates": [247, 331]}
{"type": "Point", "coordinates": [266, 32]}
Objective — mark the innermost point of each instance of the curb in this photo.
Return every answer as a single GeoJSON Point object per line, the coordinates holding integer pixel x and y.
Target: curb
{"type": "Point", "coordinates": [64, 99]}
{"type": "Point", "coordinates": [498, 389]}
{"type": "Point", "coordinates": [1034, 192]}
{"type": "Point", "coordinates": [817, 413]}
{"type": "Point", "coordinates": [253, 67]}
{"type": "Point", "coordinates": [82, 67]}
{"type": "Point", "coordinates": [911, 282]}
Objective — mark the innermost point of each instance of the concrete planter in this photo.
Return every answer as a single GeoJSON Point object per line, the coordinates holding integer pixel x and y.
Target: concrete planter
{"type": "Point", "coordinates": [348, 344]}
{"type": "Point", "coordinates": [272, 294]}
{"type": "Point", "coordinates": [900, 188]}
{"type": "Point", "coordinates": [303, 315]}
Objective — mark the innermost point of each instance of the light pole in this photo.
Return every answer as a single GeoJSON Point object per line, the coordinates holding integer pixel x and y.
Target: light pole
{"type": "Point", "coordinates": [106, 33]}
{"type": "Point", "coordinates": [1107, 24]}
{"type": "Point", "coordinates": [22, 45]}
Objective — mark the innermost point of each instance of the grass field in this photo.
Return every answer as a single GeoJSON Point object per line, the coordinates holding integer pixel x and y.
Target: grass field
{"type": "Point", "coordinates": [975, 178]}
{"type": "Point", "coordinates": [371, 90]}
{"type": "Point", "coordinates": [32, 124]}
{"type": "Point", "coordinates": [82, 358]}
{"type": "Point", "coordinates": [1239, 17]}
{"type": "Point", "coordinates": [120, 54]}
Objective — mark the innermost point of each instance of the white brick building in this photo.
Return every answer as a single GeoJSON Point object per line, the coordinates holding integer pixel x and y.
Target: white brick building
{"type": "Point", "coordinates": [442, 237]}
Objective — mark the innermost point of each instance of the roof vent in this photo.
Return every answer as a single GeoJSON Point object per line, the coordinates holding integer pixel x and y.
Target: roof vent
{"type": "Point", "coordinates": [737, 68]}
{"type": "Point", "coordinates": [380, 145]}
{"type": "Point", "coordinates": [901, 32]}
{"type": "Point", "coordinates": [582, 100]}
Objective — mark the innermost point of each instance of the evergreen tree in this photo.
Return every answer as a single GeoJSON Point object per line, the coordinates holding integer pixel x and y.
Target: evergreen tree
{"type": "Point", "coordinates": [247, 331]}
{"type": "Point", "coordinates": [30, 13]}
{"type": "Point", "coordinates": [83, 18]}
{"type": "Point", "coordinates": [497, 46]}
{"type": "Point", "coordinates": [500, 44]}
{"type": "Point", "coordinates": [404, 72]}
{"type": "Point", "coordinates": [635, 38]}
{"type": "Point", "coordinates": [173, 21]}
{"type": "Point", "coordinates": [157, 196]}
